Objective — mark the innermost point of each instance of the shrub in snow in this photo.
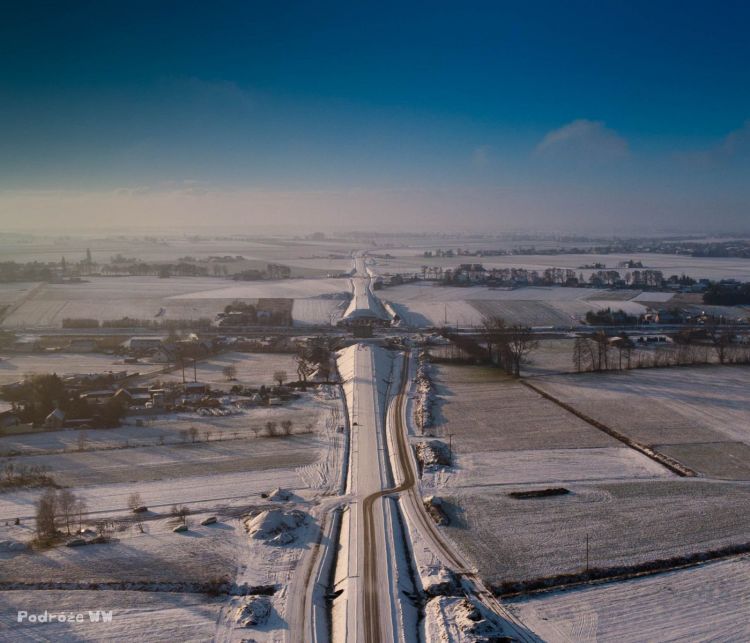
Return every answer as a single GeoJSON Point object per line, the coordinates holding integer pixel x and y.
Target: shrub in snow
{"type": "Point", "coordinates": [432, 454]}
{"type": "Point", "coordinates": [275, 526]}
{"type": "Point", "coordinates": [423, 406]}
{"type": "Point", "coordinates": [435, 508]}
{"type": "Point", "coordinates": [254, 611]}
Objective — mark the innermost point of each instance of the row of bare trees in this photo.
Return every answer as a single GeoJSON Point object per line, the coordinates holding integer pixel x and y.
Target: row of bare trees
{"type": "Point", "coordinates": [508, 346]}
{"type": "Point", "coordinates": [600, 352]}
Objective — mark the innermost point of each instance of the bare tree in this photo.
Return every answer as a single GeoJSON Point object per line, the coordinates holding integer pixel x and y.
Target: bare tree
{"type": "Point", "coordinates": [519, 343]}
{"type": "Point", "coordinates": [193, 433]}
{"type": "Point", "coordinates": [579, 354]}
{"type": "Point", "coordinates": [624, 346]}
{"type": "Point", "coordinates": [180, 513]}
{"type": "Point", "coordinates": [493, 334]}
{"type": "Point", "coordinates": [602, 350]}
{"type": "Point", "coordinates": [135, 501]}
{"type": "Point", "coordinates": [271, 428]}
{"type": "Point", "coordinates": [82, 438]}
{"type": "Point", "coordinates": [184, 435]}
{"type": "Point", "coordinates": [66, 502]}
{"type": "Point", "coordinates": [280, 377]}
{"type": "Point", "coordinates": [305, 366]}
{"type": "Point", "coordinates": [104, 528]}
{"type": "Point", "coordinates": [230, 372]}
{"type": "Point", "coordinates": [721, 340]}
{"type": "Point", "coordinates": [286, 426]}
{"type": "Point", "coordinates": [255, 429]}
{"type": "Point", "coordinates": [80, 509]}
{"type": "Point", "coordinates": [46, 509]}
{"type": "Point", "coordinates": [207, 435]}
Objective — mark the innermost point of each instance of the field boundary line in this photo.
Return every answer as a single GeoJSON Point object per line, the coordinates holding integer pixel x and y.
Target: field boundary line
{"type": "Point", "coordinates": [670, 463]}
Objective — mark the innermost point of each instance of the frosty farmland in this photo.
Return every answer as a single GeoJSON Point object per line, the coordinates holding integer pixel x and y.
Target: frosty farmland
{"type": "Point", "coordinates": [335, 442]}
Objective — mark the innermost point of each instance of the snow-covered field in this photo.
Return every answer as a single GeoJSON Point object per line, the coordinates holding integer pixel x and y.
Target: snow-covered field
{"type": "Point", "coordinates": [285, 288]}
{"type": "Point", "coordinates": [700, 415]}
{"type": "Point", "coordinates": [318, 311]}
{"type": "Point", "coordinates": [486, 411]}
{"type": "Point", "coordinates": [226, 478]}
{"type": "Point", "coordinates": [543, 466]}
{"type": "Point", "coordinates": [107, 298]}
{"type": "Point", "coordinates": [505, 438]}
{"type": "Point", "coordinates": [697, 267]}
{"type": "Point", "coordinates": [426, 304]}
{"type": "Point", "coordinates": [704, 603]}
{"type": "Point", "coordinates": [176, 461]}
{"type": "Point", "coordinates": [136, 616]}
{"type": "Point", "coordinates": [13, 292]}
{"type": "Point", "coordinates": [253, 369]}
{"type": "Point", "coordinates": [551, 356]}
{"type": "Point", "coordinates": [314, 254]}
{"type": "Point", "coordinates": [14, 366]}
{"type": "Point", "coordinates": [168, 429]}
{"type": "Point", "coordinates": [627, 522]}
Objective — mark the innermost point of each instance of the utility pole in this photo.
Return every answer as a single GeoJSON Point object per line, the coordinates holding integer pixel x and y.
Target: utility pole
{"type": "Point", "coordinates": [587, 551]}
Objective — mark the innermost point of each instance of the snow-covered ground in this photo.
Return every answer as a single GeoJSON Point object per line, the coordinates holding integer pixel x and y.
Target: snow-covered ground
{"type": "Point", "coordinates": [14, 366]}
{"type": "Point", "coordinates": [284, 288]}
{"type": "Point", "coordinates": [252, 369]}
{"type": "Point", "coordinates": [226, 478]}
{"type": "Point", "coordinates": [408, 261]}
{"type": "Point", "coordinates": [107, 298]}
{"type": "Point", "coordinates": [136, 616]}
{"type": "Point", "coordinates": [700, 415]}
{"type": "Point", "coordinates": [704, 603]}
{"type": "Point", "coordinates": [505, 439]}
{"type": "Point", "coordinates": [427, 304]}
{"type": "Point", "coordinates": [542, 466]}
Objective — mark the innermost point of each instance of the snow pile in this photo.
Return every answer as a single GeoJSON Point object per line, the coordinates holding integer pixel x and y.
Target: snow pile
{"type": "Point", "coordinates": [472, 621]}
{"type": "Point", "coordinates": [254, 611]}
{"type": "Point", "coordinates": [12, 545]}
{"type": "Point", "coordinates": [456, 619]}
{"type": "Point", "coordinates": [275, 526]}
{"type": "Point", "coordinates": [435, 508]}
{"type": "Point", "coordinates": [438, 581]}
{"type": "Point", "coordinates": [432, 454]}
{"type": "Point", "coordinates": [423, 405]}
{"type": "Point", "coordinates": [280, 495]}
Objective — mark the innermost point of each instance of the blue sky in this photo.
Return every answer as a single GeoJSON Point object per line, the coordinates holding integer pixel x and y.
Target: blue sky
{"type": "Point", "coordinates": [569, 113]}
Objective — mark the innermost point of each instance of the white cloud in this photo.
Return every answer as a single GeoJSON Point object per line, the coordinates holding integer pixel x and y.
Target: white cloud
{"type": "Point", "coordinates": [734, 148]}
{"type": "Point", "coordinates": [480, 157]}
{"type": "Point", "coordinates": [583, 140]}
{"type": "Point", "coordinates": [737, 142]}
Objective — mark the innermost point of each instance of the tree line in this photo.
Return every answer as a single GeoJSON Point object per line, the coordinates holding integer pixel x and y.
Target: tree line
{"type": "Point", "coordinates": [601, 352]}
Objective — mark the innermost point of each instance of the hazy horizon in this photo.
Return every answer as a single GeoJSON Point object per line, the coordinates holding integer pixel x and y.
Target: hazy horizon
{"type": "Point", "coordinates": [580, 118]}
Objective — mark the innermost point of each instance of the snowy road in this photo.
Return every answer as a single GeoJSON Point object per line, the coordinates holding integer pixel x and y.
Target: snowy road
{"type": "Point", "coordinates": [364, 304]}
{"type": "Point", "coordinates": [374, 569]}
{"type": "Point", "coordinates": [368, 609]}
